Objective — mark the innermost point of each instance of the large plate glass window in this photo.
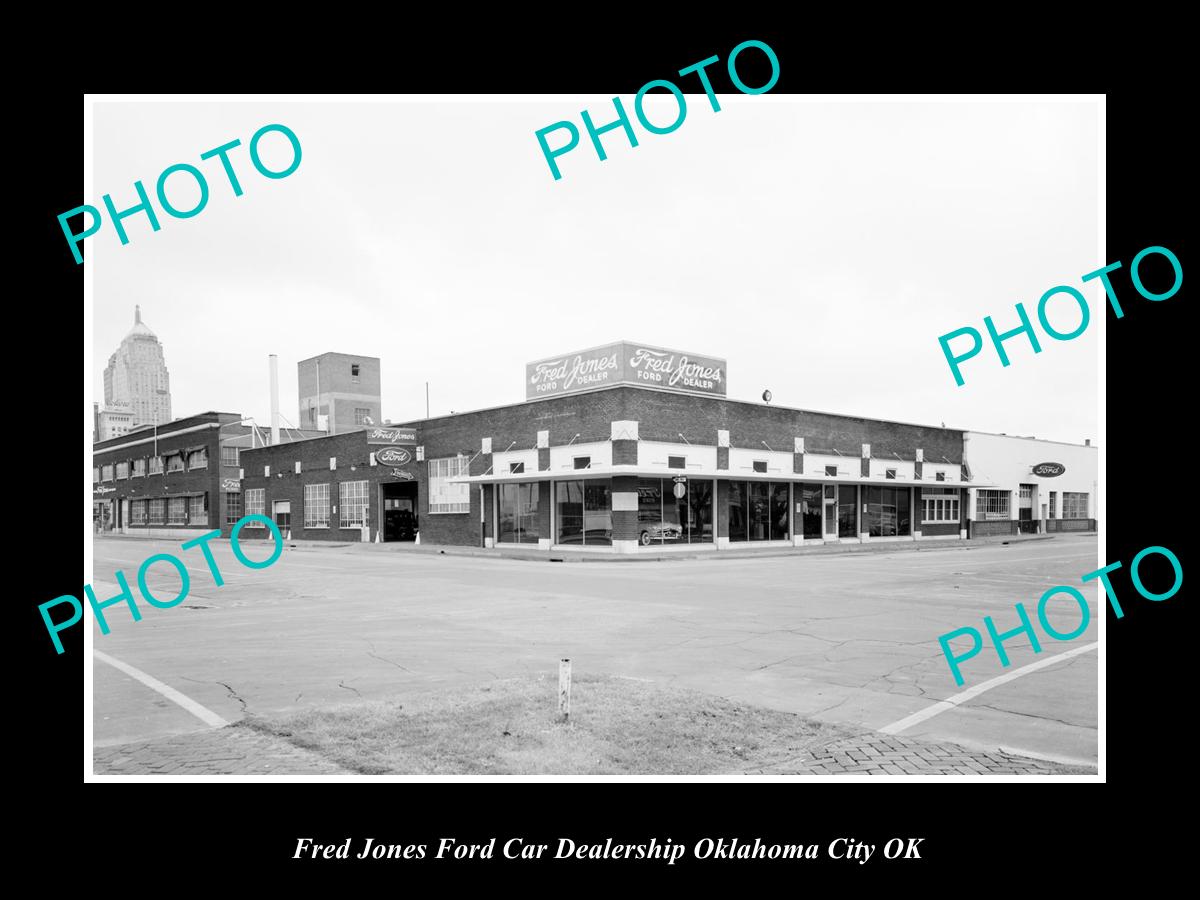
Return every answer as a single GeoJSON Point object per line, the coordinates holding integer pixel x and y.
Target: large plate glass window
{"type": "Point", "coordinates": [584, 512]}
{"type": "Point", "coordinates": [888, 513]}
{"type": "Point", "coordinates": [518, 514]}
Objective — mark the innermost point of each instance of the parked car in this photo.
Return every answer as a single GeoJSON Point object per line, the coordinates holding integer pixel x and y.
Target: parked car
{"type": "Point", "coordinates": [399, 525]}
{"type": "Point", "coordinates": [653, 532]}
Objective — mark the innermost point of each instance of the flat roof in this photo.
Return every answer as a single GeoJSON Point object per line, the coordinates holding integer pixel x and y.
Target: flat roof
{"type": "Point", "coordinates": [684, 396]}
{"type": "Point", "coordinates": [335, 353]}
{"type": "Point", "coordinates": [1027, 437]}
{"type": "Point", "coordinates": [165, 429]}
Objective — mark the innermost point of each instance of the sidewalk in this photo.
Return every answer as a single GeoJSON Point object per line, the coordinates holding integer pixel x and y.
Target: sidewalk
{"type": "Point", "coordinates": [524, 553]}
{"type": "Point", "coordinates": [234, 750]}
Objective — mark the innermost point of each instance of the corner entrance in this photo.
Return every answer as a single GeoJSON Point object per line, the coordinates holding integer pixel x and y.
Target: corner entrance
{"type": "Point", "coordinates": [399, 510]}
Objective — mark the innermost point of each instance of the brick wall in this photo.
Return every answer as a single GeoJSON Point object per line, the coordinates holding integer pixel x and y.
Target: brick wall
{"type": "Point", "coordinates": [353, 460]}
{"type": "Point", "coordinates": [936, 529]}
{"type": "Point", "coordinates": [992, 528]}
{"type": "Point", "coordinates": [1070, 525]}
{"type": "Point", "coordinates": [591, 416]}
{"type": "Point", "coordinates": [130, 447]}
{"type": "Point", "coordinates": [661, 417]}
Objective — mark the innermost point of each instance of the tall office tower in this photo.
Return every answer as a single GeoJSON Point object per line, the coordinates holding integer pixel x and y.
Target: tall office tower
{"type": "Point", "coordinates": [137, 377]}
{"type": "Point", "coordinates": [339, 392]}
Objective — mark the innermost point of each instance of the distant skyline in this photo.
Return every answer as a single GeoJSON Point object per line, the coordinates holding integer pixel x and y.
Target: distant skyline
{"type": "Point", "coordinates": [137, 378]}
{"type": "Point", "coordinates": [821, 248]}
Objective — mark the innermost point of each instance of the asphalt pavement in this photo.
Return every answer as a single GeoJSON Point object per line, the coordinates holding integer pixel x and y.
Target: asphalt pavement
{"type": "Point", "coordinates": [843, 637]}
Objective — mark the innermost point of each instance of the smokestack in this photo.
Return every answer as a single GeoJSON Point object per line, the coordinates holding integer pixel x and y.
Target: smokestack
{"type": "Point", "coordinates": [1087, 442]}
{"type": "Point", "coordinates": [274, 399]}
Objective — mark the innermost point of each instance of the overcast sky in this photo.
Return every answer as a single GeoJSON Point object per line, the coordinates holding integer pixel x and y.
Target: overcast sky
{"type": "Point", "coordinates": [821, 248]}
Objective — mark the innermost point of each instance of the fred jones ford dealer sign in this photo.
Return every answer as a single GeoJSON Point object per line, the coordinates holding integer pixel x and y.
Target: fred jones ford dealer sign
{"type": "Point", "coordinates": [625, 363]}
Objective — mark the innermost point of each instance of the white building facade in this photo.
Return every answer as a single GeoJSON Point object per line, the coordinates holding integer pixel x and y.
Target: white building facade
{"type": "Point", "coordinates": [1033, 486]}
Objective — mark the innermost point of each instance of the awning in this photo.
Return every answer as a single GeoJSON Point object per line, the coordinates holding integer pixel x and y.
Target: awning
{"type": "Point", "coordinates": [707, 475]}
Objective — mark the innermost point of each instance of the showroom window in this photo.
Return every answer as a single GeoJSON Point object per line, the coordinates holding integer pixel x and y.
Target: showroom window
{"type": "Point", "coordinates": [758, 511]}
{"type": "Point", "coordinates": [584, 512]}
{"type": "Point", "coordinates": [887, 512]}
{"type": "Point", "coordinates": [518, 505]}
{"type": "Point", "coordinates": [665, 519]}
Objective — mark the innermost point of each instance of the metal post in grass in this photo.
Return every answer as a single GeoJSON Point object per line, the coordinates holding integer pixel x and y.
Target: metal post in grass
{"type": "Point", "coordinates": [564, 688]}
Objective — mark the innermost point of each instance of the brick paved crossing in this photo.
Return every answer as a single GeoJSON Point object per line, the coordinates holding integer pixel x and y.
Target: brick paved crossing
{"type": "Point", "coordinates": [885, 754]}
{"type": "Point", "coordinates": [222, 751]}
{"type": "Point", "coordinates": [240, 751]}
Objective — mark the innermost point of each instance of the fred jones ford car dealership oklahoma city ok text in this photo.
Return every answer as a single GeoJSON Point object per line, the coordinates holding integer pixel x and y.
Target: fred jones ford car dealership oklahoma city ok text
{"type": "Point", "coordinates": [629, 448]}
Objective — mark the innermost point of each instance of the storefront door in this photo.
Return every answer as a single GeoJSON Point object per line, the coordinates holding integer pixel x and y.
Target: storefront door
{"type": "Point", "coordinates": [1025, 522]}
{"type": "Point", "coordinates": [831, 512]}
{"type": "Point", "coordinates": [102, 515]}
{"type": "Point", "coordinates": [847, 511]}
{"type": "Point", "coordinates": [283, 515]}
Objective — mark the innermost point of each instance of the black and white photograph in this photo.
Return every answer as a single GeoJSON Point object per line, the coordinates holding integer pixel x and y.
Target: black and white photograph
{"type": "Point", "coordinates": [697, 432]}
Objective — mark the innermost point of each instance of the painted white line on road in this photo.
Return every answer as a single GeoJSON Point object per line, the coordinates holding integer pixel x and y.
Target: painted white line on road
{"type": "Point", "coordinates": [204, 714]}
{"type": "Point", "coordinates": [958, 699]}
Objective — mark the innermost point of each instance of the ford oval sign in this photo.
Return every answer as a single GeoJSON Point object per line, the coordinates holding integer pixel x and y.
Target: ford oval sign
{"type": "Point", "coordinates": [1049, 470]}
{"type": "Point", "coordinates": [392, 456]}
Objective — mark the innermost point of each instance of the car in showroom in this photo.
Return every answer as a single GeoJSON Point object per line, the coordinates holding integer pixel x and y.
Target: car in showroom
{"type": "Point", "coordinates": [659, 532]}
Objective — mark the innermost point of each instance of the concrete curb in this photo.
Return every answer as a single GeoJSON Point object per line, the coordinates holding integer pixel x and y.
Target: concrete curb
{"type": "Point", "coordinates": [576, 556]}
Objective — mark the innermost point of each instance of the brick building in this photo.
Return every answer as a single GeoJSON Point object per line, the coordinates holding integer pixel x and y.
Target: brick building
{"type": "Point", "coordinates": [621, 449]}
{"type": "Point", "coordinates": [175, 480]}
{"type": "Point", "coordinates": [339, 392]}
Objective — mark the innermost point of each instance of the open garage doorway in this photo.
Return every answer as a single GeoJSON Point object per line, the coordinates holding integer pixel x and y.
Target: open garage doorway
{"type": "Point", "coordinates": [399, 510]}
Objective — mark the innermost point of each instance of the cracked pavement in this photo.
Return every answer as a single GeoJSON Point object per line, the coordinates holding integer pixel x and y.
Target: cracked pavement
{"type": "Point", "coordinates": [845, 638]}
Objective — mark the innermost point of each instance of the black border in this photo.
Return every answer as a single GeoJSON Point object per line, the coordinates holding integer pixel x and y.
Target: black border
{"type": "Point", "coordinates": [979, 831]}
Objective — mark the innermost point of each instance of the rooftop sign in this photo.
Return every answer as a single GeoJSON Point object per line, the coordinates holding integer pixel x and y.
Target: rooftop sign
{"type": "Point", "coordinates": [629, 363]}
{"type": "Point", "coordinates": [392, 436]}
